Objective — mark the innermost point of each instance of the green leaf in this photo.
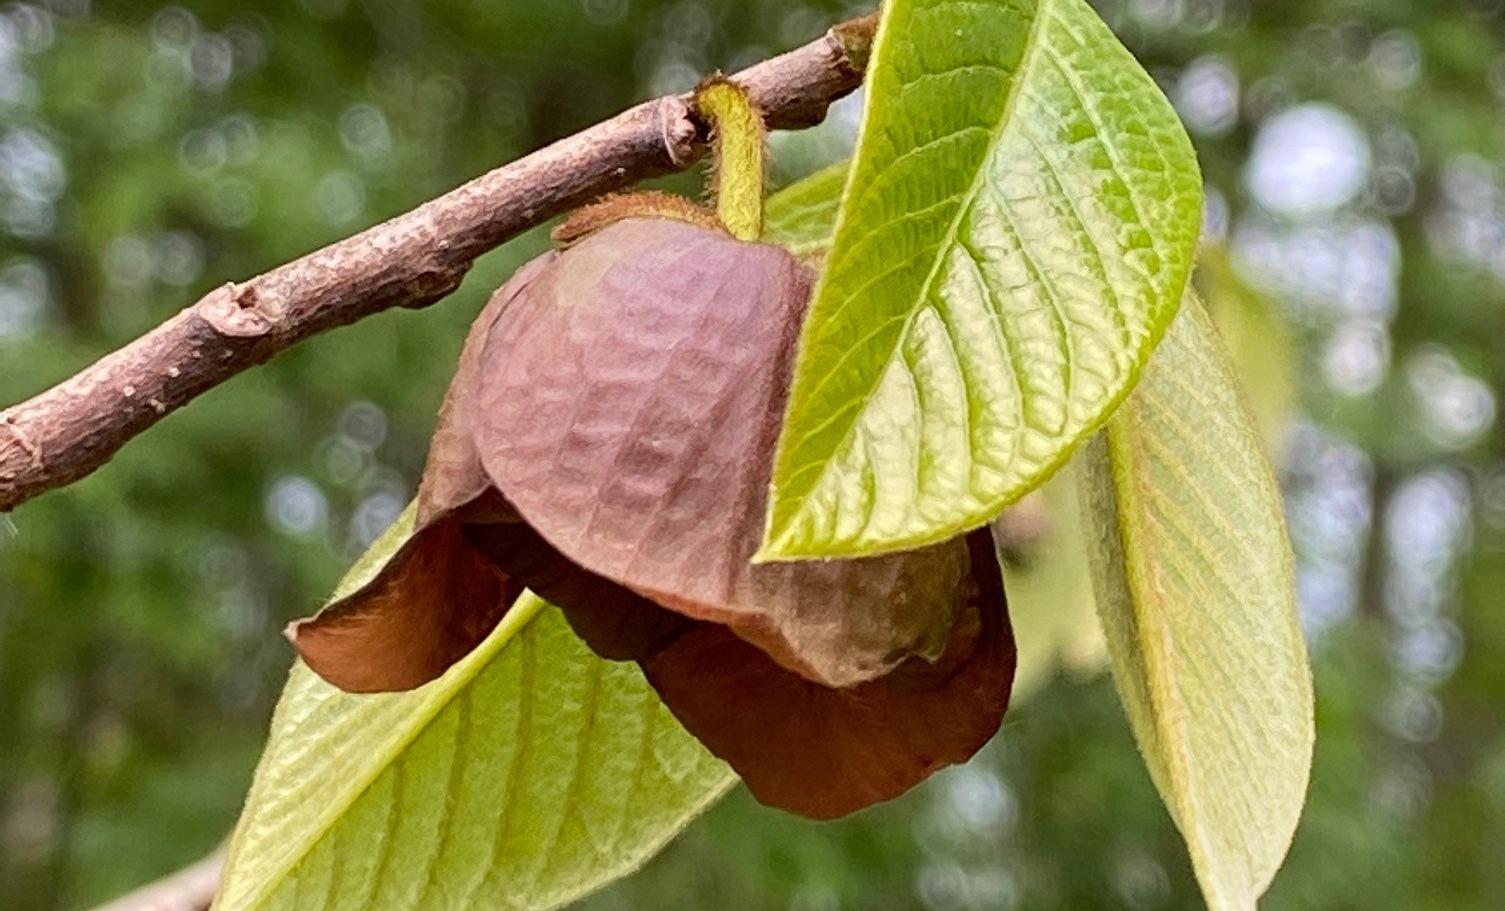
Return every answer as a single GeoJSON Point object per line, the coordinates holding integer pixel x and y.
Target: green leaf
{"type": "Point", "coordinates": [530, 774]}
{"type": "Point", "coordinates": [802, 216]}
{"type": "Point", "coordinates": [1050, 597]}
{"type": "Point", "coordinates": [1014, 238]}
{"type": "Point", "coordinates": [1257, 339]}
{"type": "Point", "coordinates": [1193, 573]}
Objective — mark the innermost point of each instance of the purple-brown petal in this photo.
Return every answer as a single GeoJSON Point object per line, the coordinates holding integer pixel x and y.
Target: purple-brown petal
{"type": "Point", "coordinates": [616, 623]}
{"type": "Point", "coordinates": [439, 596]}
{"type": "Point", "coordinates": [629, 406]}
{"type": "Point", "coordinates": [824, 752]}
{"type": "Point", "coordinates": [432, 603]}
{"type": "Point", "coordinates": [454, 476]}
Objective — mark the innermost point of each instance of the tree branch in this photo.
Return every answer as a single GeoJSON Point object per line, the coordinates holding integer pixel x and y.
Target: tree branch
{"type": "Point", "coordinates": [68, 431]}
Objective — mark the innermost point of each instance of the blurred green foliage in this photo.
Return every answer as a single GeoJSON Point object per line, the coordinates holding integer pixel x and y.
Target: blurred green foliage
{"type": "Point", "coordinates": [1353, 150]}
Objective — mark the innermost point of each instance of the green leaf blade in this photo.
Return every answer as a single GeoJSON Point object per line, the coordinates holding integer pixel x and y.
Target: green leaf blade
{"type": "Point", "coordinates": [529, 775]}
{"type": "Point", "coordinates": [1195, 589]}
{"type": "Point", "coordinates": [802, 216]}
{"type": "Point", "coordinates": [1015, 236]}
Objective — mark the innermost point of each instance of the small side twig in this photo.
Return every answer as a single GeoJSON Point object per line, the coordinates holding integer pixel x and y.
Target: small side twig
{"type": "Point", "coordinates": [190, 889]}
{"type": "Point", "coordinates": [70, 430]}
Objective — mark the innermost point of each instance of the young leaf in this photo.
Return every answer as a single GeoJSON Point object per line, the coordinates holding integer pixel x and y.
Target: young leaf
{"type": "Point", "coordinates": [1193, 573]}
{"type": "Point", "coordinates": [1050, 598]}
{"type": "Point", "coordinates": [530, 774]}
{"type": "Point", "coordinates": [1258, 341]}
{"type": "Point", "coordinates": [802, 217]}
{"type": "Point", "coordinates": [1015, 236]}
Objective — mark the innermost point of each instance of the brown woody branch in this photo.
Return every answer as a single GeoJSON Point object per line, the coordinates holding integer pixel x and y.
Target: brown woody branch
{"type": "Point", "coordinates": [68, 431]}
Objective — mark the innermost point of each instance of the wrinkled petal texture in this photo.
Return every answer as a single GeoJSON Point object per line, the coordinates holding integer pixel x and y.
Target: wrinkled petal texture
{"type": "Point", "coordinates": [438, 597]}
{"type": "Point", "coordinates": [628, 407]}
{"type": "Point", "coordinates": [607, 443]}
{"type": "Point", "coordinates": [454, 476]}
{"type": "Point", "coordinates": [1193, 571]}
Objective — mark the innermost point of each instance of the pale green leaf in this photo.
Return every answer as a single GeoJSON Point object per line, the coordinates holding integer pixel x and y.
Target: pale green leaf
{"type": "Point", "coordinates": [1014, 238]}
{"type": "Point", "coordinates": [530, 774]}
{"type": "Point", "coordinates": [1050, 596]}
{"type": "Point", "coordinates": [802, 216]}
{"type": "Point", "coordinates": [1193, 574]}
{"type": "Point", "coordinates": [1257, 339]}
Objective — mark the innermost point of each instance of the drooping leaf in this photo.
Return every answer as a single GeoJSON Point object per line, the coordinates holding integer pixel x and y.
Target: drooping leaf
{"type": "Point", "coordinates": [1050, 596]}
{"type": "Point", "coordinates": [530, 774]}
{"type": "Point", "coordinates": [1258, 341]}
{"type": "Point", "coordinates": [1014, 238]}
{"type": "Point", "coordinates": [802, 218]}
{"type": "Point", "coordinates": [1050, 593]}
{"type": "Point", "coordinates": [1193, 575]}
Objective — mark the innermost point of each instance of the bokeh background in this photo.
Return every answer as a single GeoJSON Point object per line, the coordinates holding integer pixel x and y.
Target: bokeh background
{"type": "Point", "coordinates": [1356, 226]}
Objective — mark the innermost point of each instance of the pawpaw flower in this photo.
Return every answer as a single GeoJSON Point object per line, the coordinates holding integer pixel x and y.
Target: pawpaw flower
{"type": "Point", "coordinates": [608, 443]}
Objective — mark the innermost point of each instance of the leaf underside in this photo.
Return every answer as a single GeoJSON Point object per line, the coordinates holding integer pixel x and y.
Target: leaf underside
{"type": "Point", "coordinates": [1193, 574]}
{"type": "Point", "coordinates": [1015, 236]}
{"type": "Point", "coordinates": [529, 775]}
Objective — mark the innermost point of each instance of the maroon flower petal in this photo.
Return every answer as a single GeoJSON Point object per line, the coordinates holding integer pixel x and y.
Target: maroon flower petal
{"type": "Point", "coordinates": [439, 596]}
{"type": "Point", "coordinates": [433, 603]}
{"type": "Point", "coordinates": [824, 752]}
{"type": "Point", "coordinates": [454, 476]}
{"type": "Point", "coordinates": [628, 407]}
{"type": "Point", "coordinates": [616, 623]}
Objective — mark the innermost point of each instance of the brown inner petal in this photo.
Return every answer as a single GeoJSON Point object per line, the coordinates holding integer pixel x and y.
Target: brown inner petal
{"type": "Point", "coordinates": [435, 601]}
{"type": "Point", "coordinates": [615, 622]}
{"type": "Point", "coordinates": [824, 752]}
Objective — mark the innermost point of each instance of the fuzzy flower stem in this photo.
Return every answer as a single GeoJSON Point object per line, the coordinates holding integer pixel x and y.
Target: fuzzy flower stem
{"type": "Point", "coordinates": [739, 142]}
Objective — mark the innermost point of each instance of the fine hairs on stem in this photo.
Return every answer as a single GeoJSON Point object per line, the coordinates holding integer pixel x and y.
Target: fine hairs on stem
{"type": "Point", "coordinates": [739, 141]}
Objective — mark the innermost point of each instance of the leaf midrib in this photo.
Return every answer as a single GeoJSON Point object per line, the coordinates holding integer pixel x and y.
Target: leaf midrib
{"type": "Point", "coordinates": [1164, 717]}
{"type": "Point", "coordinates": [1011, 103]}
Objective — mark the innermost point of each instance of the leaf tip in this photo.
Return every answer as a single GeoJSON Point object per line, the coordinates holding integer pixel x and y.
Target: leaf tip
{"type": "Point", "coordinates": [781, 543]}
{"type": "Point", "coordinates": [771, 552]}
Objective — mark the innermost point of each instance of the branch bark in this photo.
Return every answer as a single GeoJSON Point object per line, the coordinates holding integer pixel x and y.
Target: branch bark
{"type": "Point", "coordinates": [414, 260]}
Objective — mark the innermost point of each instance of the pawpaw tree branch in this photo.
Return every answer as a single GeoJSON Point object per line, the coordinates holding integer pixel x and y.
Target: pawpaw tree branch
{"type": "Point", "coordinates": [414, 260]}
